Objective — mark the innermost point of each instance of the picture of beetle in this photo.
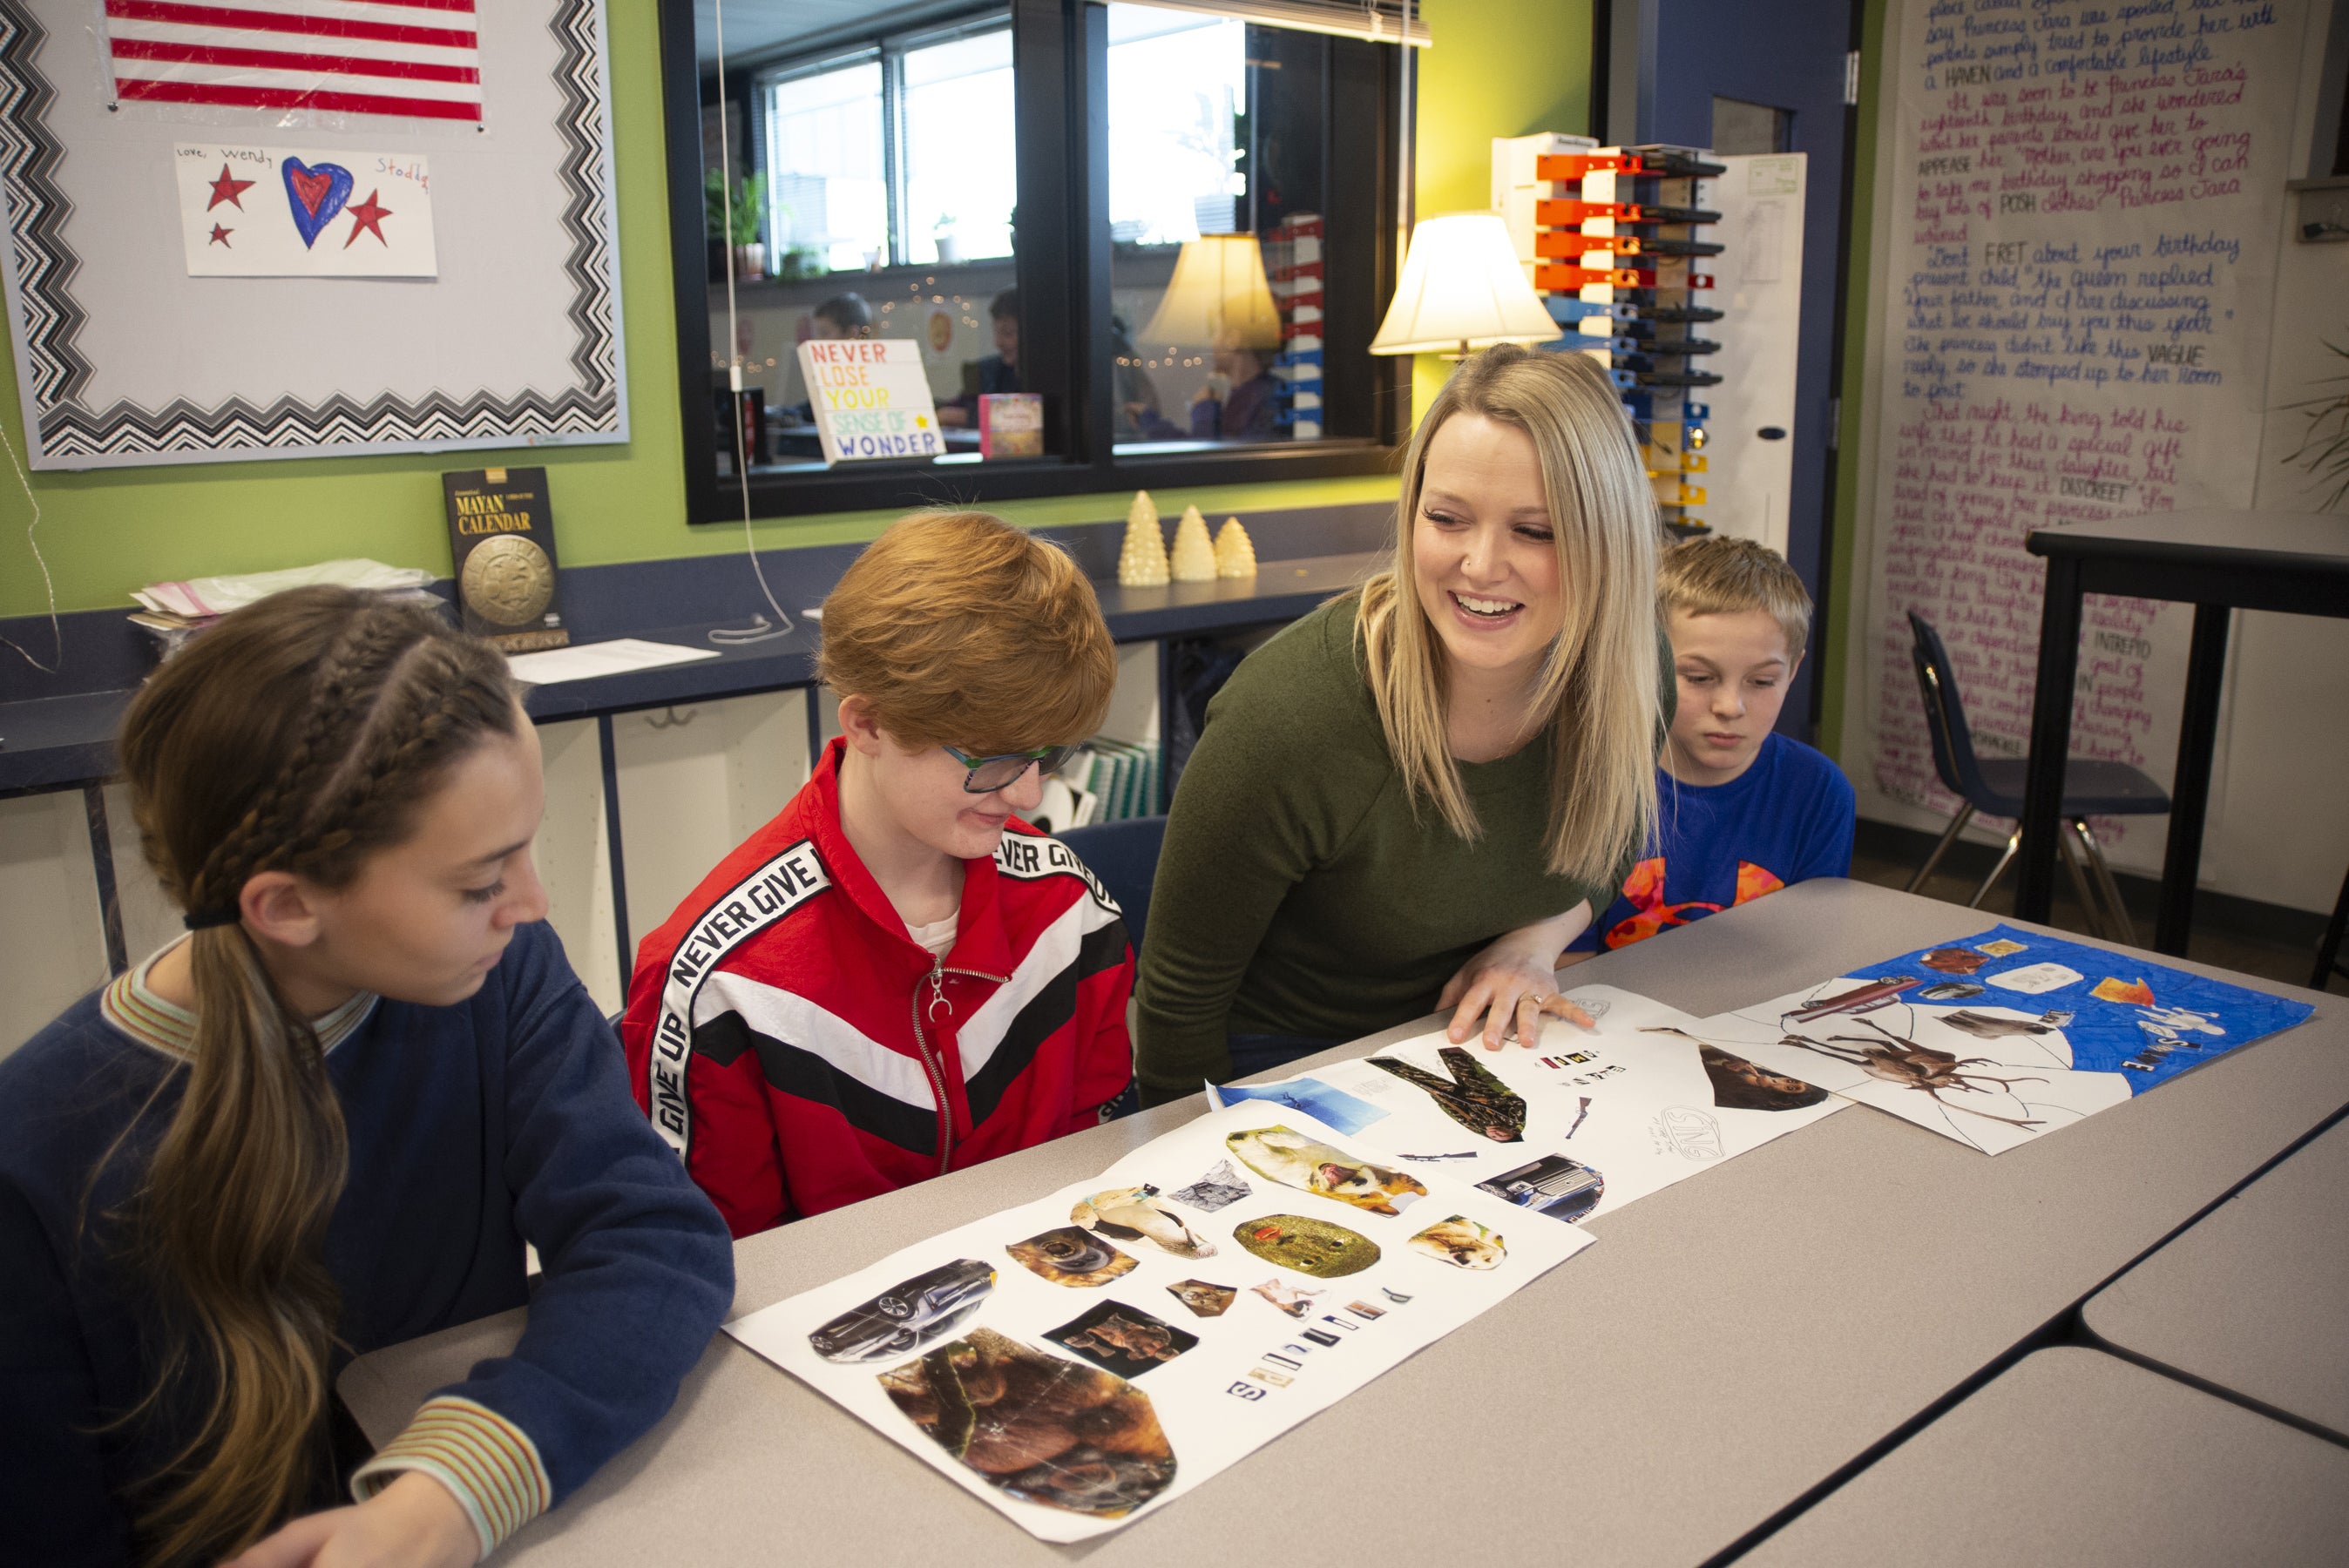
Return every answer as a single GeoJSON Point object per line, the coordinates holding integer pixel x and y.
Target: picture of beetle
{"type": "Point", "coordinates": [1896, 1060]}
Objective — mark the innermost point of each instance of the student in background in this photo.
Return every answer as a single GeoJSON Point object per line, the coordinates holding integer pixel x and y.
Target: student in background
{"type": "Point", "coordinates": [843, 316]}
{"type": "Point", "coordinates": [896, 977]}
{"type": "Point", "coordinates": [1413, 797]}
{"type": "Point", "coordinates": [327, 1120]}
{"type": "Point", "coordinates": [1243, 409]}
{"type": "Point", "coordinates": [999, 371]}
{"type": "Point", "coordinates": [1742, 809]}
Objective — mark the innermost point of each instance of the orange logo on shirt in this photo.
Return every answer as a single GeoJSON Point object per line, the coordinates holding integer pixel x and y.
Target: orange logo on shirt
{"type": "Point", "coordinates": [1644, 888]}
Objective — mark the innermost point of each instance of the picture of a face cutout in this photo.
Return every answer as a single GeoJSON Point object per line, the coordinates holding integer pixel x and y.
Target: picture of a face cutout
{"type": "Point", "coordinates": [1462, 1242]}
{"type": "Point", "coordinates": [1037, 1427]}
{"type": "Point", "coordinates": [1072, 1257]}
{"type": "Point", "coordinates": [1291, 1299]}
{"type": "Point", "coordinates": [1139, 1215]}
{"type": "Point", "coordinates": [908, 1315]}
{"type": "Point", "coordinates": [1740, 1085]}
{"type": "Point", "coordinates": [1553, 1185]}
{"type": "Point", "coordinates": [1205, 1300]}
{"type": "Point", "coordinates": [1313, 1247]}
{"type": "Point", "coordinates": [1122, 1339]}
{"type": "Point", "coordinates": [1220, 1188]}
{"type": "Point", "coordinates": [1280, 1154]}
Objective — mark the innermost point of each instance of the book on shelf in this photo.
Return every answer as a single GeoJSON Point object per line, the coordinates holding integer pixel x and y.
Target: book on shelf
{"type": "Point", "coordinates": [502, 548]}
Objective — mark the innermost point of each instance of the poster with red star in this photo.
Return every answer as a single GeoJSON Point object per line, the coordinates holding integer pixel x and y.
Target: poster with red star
{"type": "Point", "coordinates": [303, 213]}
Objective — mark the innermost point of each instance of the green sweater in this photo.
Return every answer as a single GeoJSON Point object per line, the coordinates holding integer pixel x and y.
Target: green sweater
{"type": "Point", "coordinates": [1299, 894]}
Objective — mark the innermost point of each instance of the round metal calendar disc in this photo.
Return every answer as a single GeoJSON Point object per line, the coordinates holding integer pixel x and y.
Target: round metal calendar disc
{"type": "Point", "coordinates": [508, 580]}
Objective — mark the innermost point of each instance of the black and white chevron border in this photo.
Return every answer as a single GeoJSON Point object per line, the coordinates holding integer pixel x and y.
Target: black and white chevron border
{"type": "Point", "coordinates": [67, 429]}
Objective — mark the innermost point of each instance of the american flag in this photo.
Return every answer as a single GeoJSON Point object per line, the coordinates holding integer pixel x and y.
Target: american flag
{"type": "Point", "coordinates": [417, 58]}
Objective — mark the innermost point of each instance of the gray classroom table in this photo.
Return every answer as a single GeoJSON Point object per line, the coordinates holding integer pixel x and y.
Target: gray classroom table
{"type": "Point", "coordinates": [1730, 1343]}
{"type": "Point", "coordinates": [2076, 1457]}
{"type": "Point", "coordinates": [2255, 1299]}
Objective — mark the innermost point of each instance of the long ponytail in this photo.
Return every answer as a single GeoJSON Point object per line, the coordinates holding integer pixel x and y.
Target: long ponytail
{"type": "Point", "coordinates": [300, 734]}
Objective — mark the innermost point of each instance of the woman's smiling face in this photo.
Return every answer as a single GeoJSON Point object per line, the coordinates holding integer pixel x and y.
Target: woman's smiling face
{"type": "Point", "coordinates": [1483, 550]}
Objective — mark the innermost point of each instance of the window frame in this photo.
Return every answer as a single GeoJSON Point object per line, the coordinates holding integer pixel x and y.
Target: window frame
{"type": "Point", "coordinates": [1060, 54]}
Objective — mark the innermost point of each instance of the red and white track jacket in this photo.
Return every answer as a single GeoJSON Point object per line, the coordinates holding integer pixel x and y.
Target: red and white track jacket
{"type": "Point", "coordinates": [800, 1051]}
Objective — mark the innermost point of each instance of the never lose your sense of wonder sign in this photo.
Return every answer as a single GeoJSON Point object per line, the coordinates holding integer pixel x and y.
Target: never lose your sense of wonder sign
{"type": "Point", "coordinates": [872, 398]}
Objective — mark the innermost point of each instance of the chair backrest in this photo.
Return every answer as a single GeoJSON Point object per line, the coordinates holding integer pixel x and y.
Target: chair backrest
{"type": "Point", "coordinates": [1945, 714]}
{"type": "Point", "coordinates": [1124, 855]}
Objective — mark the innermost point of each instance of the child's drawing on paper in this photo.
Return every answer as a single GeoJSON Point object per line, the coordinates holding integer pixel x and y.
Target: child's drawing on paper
{"type": "Point", "coordinates": [250, 211]}
{"type": "Point", "coordinates": [1037, 1427]}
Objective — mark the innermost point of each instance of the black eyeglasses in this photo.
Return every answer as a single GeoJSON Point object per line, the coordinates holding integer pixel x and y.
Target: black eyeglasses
{"type": "Point", "coordinates": [988, 774]}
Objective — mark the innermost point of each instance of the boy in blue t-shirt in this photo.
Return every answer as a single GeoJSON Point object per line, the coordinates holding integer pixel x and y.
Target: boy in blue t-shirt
{"type": "Point", "coordinates": [1741, 810]}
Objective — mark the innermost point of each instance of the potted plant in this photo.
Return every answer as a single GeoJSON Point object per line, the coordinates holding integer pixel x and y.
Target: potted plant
{"type": "Point", "coordinates": [2323, 450]}
{"type": "Point", "coordinates": [737, 224]}
{"type": "Point", "coordinates": [949, 243]}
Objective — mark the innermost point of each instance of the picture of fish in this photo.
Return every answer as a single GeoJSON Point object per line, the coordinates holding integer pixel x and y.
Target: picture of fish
{"type": "Point", "coordinates": [1220, 1188]}
{"type": "Point", "coordinates": [1291, 1299]}
{"type": "Point", "coordinates": [1037, 1427]}
{"type": "Point", "coordinates": [1462, 1242]}
{"type": "Point", "coordinates": [908, 1315]}
{"type": "Point", "coordinates": [1473, 1096]}
{"type": "Point", "coordinates": [1122, 1339]}
{"type": "Point", "coordinates": [1139, 1215]}
{"type": "Point", "coordinates": [1310, 1246]}
{"type": "Point", "coordinates": [1072, 1257]}
{"type": "Point", "coordinates": [1204, 1299]}
{"type": "Point", "coordinates": [1280, 1154]}
{"type": "Point", "coordinates": [1553, 1185]}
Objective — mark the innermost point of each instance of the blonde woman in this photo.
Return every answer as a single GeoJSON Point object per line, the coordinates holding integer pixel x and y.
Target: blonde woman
{"type": "Point", "coordinates": [1414, 797]}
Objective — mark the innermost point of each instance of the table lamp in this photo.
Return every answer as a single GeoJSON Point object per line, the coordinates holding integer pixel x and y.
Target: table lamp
{"type": "Point", "coordinates": [1462, 289]}
{"type": "Point", "coordinates": [1219, 296]}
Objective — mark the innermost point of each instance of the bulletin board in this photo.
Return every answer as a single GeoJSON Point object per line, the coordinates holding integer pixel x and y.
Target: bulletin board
{"type": "Point", "coordinates": [2078, 241]}
{"type": "Point", "coordinates": [454, 282]}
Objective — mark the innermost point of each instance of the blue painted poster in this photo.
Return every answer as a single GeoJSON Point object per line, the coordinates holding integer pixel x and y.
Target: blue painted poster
{"type": "Point", "coordinates": [1997, 1038]}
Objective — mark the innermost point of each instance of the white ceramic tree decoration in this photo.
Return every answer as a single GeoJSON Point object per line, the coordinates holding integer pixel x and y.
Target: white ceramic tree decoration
{"type": "Point", "coordinates": [1142, 562]}
{"type": "Point", "coordinates": [1234, 552]}
{"type": "Point", "coordinates": [1195, 555]}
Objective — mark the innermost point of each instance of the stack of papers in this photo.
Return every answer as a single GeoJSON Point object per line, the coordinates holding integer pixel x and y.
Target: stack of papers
{"type": "Point", "coordinates": [587, 660]}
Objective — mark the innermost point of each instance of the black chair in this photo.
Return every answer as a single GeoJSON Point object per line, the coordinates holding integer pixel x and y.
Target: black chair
{"type": "Point", "coordinates": [2328, 951]}
{"type": "Point", "coordinates": [1993, 787]}
{"type": "Point", "coordinates": [1124, 855]}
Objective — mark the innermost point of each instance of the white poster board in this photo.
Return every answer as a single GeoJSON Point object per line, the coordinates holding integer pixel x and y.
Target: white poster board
{"type": "Point", "coordinates": [2078, 248]}
{"type": "Point", "coordinates": [1749, 477]}
{"type": "Point", "coordinates": [872, 398]}
{"type": "Point", "coordinates": [506, 332]}
{"type": "Point", "coordinates": [1083, 1359]}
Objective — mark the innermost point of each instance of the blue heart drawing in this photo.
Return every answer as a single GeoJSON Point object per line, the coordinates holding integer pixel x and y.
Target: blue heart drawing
{"type": "Point", "coordinates": [316, 194]}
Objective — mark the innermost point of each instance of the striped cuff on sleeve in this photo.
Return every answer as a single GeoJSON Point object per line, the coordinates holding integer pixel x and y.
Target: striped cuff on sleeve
{"type": "Point", "coordinates": [485, 1460]}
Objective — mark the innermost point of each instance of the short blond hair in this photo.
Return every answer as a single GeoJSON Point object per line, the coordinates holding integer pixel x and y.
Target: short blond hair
{"type": "Point", "coordinates": [1722, 576]}
{"type": "Point", "coordinates": [960, 630]}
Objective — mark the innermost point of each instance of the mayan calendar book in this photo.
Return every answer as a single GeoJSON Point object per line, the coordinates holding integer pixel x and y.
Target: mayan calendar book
{"type": "Point", "coordinates": [502, 546]}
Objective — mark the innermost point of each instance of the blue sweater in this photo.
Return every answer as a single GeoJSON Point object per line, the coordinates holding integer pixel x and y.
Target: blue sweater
{"type": "Point", "coordinates": [1786, 819]}
{"type": "Point", "coordinates": [472, 1128]}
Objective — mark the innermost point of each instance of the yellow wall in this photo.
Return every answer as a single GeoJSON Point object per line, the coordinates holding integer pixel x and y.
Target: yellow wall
{"type": "Point", "coordinates": [1501, 68]}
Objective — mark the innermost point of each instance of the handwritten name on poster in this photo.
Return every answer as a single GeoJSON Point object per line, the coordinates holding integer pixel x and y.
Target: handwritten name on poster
{"type": "Point", "coordinates": [872, 398]}
{"type": "Point", "coordinates": [303, 213]}
{"type": "Point", "coordinates": [2075, 328]}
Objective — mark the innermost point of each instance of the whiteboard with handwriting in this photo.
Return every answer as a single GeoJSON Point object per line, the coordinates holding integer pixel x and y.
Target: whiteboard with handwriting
{"type": "Point", "coordinates": [2074, 318]}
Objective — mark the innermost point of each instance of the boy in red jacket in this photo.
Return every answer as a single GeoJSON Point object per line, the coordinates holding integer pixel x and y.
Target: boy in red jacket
{"type": "Point", "coordinates": [897, 976]}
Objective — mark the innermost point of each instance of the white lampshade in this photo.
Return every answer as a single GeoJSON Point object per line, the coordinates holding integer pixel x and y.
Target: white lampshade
{"type": "Point", "coordinates": [1218, 297]}
{"type": "Point", "coordinates": [1461, 288]}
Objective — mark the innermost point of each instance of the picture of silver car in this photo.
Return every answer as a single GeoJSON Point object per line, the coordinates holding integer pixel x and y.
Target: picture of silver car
{"type": "Point", "coordinates": [907, 1316]}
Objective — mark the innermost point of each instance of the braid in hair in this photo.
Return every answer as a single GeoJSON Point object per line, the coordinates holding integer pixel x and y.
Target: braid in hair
{"type": "Point", "coordinates": [301, 734]}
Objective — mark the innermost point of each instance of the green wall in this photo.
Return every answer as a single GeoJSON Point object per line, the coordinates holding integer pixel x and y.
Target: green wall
{"type": "Point", "coordinates": [1501, 68]}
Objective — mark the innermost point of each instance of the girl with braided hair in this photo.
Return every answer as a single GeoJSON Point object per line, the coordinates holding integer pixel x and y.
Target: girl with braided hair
{"type": "Point", "coordinates": [327, 1119]}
